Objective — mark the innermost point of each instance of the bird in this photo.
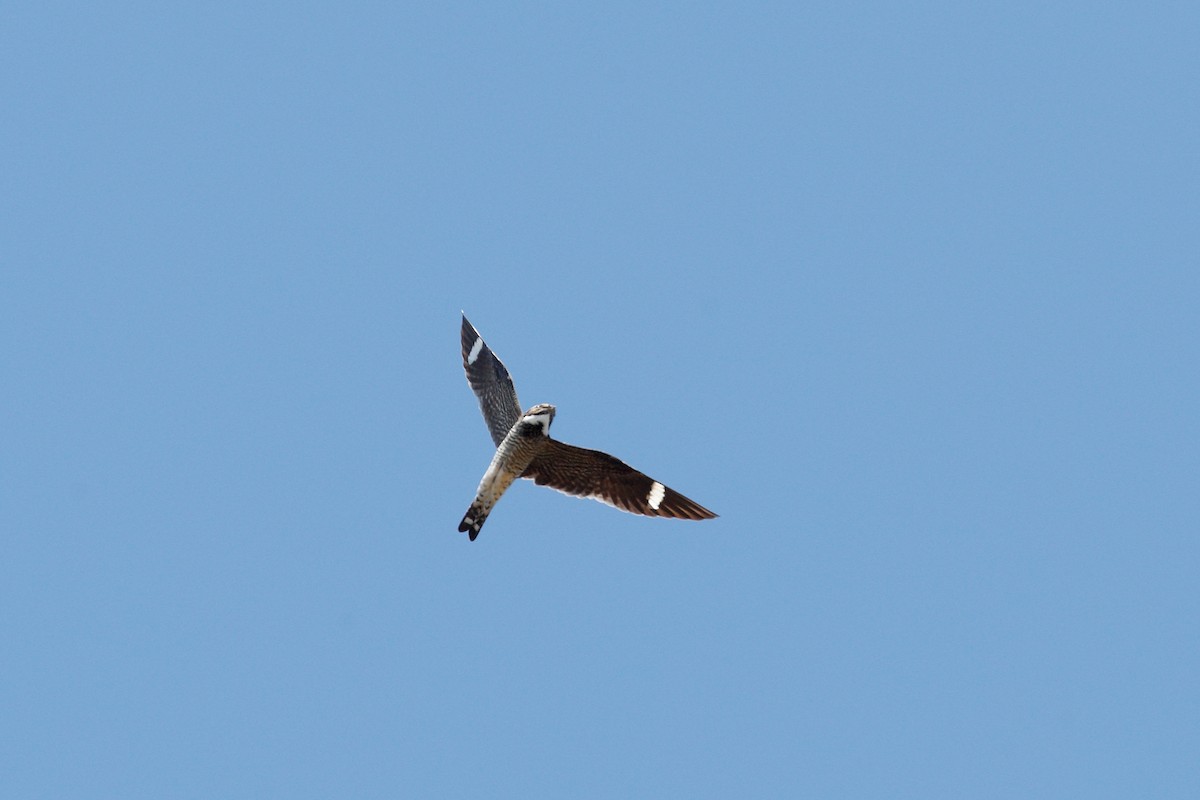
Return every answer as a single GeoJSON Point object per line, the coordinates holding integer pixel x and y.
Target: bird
{"type": "Point", "coordinates": [524, 449]}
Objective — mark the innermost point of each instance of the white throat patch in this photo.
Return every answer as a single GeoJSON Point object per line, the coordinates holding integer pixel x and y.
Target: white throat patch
{"type": "Point", "coordinates": [538, 419]}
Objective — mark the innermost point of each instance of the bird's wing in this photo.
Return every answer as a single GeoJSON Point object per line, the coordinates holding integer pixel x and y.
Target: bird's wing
{"type": "Point", "coordinates": [491, 383]}
{"type": "Point", "coordinates": [590, 473]}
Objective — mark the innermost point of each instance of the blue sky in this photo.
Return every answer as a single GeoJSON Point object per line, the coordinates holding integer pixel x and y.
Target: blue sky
{"type": "Point", "coordinates": [906, 293]}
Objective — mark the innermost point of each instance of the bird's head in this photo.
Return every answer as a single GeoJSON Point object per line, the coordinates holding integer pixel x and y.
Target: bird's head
{"type": "Point", "coordinates": [541, 415]}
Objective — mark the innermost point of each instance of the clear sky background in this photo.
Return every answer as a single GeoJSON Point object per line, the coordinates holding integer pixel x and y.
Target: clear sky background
{"type": "Point", "coordinates": [907, 293]}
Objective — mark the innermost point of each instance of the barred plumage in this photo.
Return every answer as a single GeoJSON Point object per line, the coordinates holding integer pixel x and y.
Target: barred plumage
{"type": "Point", "coordinates": [524, 449]}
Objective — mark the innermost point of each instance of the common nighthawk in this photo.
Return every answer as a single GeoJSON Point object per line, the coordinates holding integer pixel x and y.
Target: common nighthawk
{"type": "Point", "coordinates": [524, 449]}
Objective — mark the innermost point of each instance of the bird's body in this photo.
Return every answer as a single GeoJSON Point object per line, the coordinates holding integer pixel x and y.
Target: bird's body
{"type": "Point", "coordinates": [519, 447]}
{"type": "Point", "coordinates": [524, 449]}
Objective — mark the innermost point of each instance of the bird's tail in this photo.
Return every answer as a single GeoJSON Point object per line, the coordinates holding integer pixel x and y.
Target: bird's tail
{"type": "Point", "coordinates": [473, 520]}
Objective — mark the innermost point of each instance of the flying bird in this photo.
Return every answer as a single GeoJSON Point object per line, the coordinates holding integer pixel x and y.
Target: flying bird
{"type": "Point", "coordinates": [524, 449]}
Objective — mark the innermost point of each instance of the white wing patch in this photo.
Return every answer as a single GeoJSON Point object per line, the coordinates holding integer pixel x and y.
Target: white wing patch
{"type": "Point", "coordinates": [657, 493]}
{"type": "Point", "coordinates": [654, 503]}
{"type": "Point", "coordinates": [475, 350]}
